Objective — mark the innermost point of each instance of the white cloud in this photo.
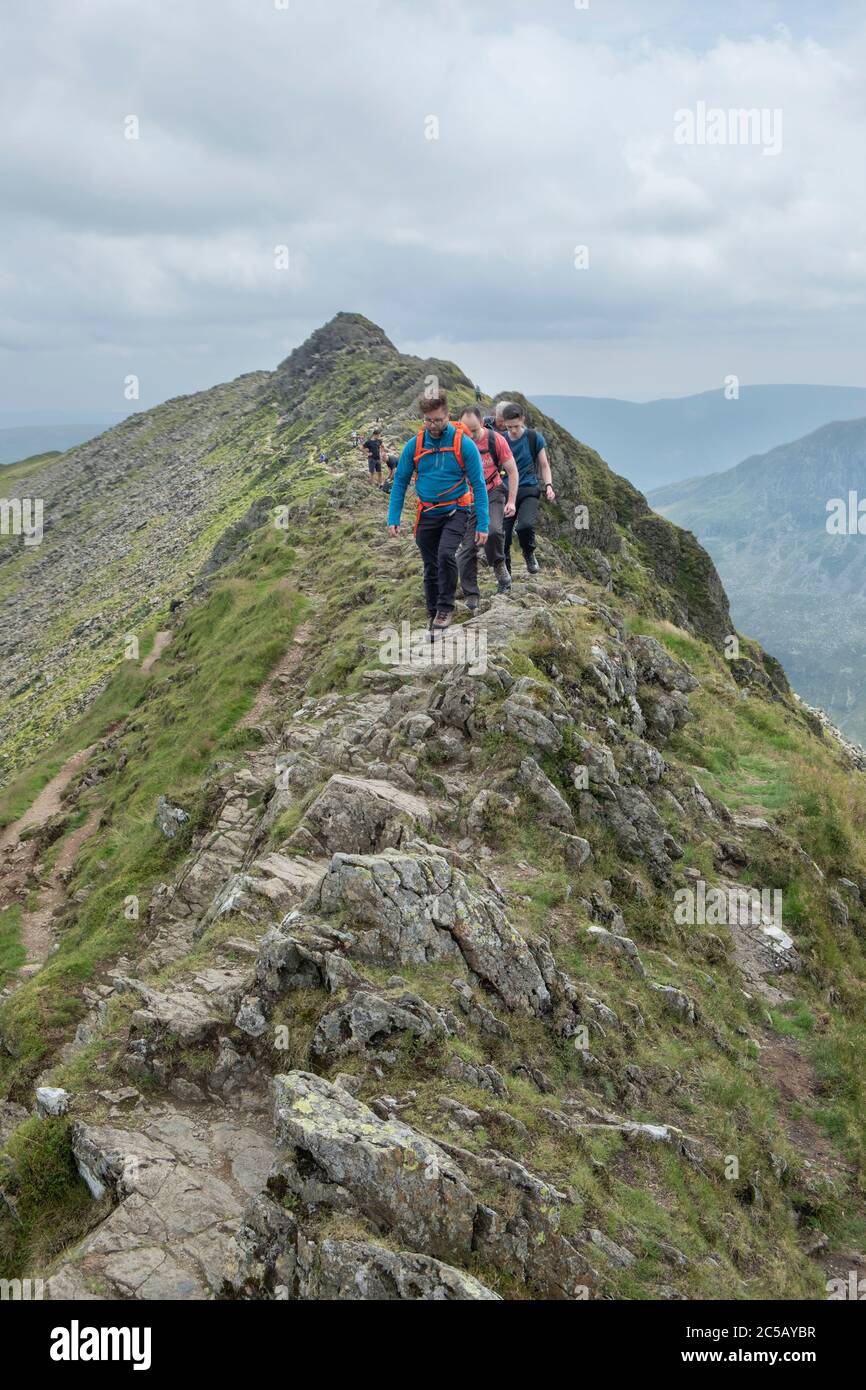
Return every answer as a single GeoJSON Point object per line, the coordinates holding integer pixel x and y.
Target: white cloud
{"type": "Point", "coordinates": [305, 127]}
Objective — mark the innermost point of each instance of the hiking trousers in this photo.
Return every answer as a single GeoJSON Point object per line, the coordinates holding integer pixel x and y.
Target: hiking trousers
{"type": "Point", "coordinates": [523, 521]}
{"type": "Point", "coordinates": [438, 538]}
{"type": "Point", "coordinates": [494, 547]}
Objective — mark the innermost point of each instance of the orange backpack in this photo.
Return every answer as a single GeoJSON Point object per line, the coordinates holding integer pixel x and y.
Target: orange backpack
{"type": "Point", "coordinates": [455, 447]}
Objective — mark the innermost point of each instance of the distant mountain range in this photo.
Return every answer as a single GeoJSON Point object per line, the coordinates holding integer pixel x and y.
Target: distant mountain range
{"type": "Point", "coordinates": [797, 588]}
{"type": "Point", "coordinates": [664, 441]}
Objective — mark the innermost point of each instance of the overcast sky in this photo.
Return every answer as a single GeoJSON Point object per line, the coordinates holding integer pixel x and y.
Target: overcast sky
{"type": "Point", "coordinates": [307, 127]}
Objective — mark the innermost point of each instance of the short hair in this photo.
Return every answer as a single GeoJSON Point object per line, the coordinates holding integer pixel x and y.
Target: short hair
{"type": "Point", "coordinates": [500, 406]}
{"type": "Point", "coordinates": [427, 404]}
{"type": "Point", "coordinates": [377, 431]}
{"type": "Point", "coordinates": [513, 412]}
{"type": "Point", "coordinates": [471, 410]}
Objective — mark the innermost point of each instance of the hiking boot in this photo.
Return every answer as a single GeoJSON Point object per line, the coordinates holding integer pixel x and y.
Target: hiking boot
{"type": "Point", "coordinates": [431, 618]}
{"type": "Point", "coordinates": [532, 562]}
{"type": "Point", "coordinates": [472, 602]}
{"type": "Point", "coordinates": [504, 585]}
{"type": "Point", "coordinates": [441, 621]}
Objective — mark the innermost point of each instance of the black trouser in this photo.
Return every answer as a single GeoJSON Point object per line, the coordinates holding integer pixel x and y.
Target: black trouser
{"type": "Point", "coordinates": [438, 537]}
{"type": "Point", "coordinates": [494, 546]}
{"type": "Point", "coordinates": [523, 521]}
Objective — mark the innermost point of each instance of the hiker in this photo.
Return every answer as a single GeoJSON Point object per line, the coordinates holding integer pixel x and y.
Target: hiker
{"type": "Point", "coordinates": [477, 392]}
{"type": "Point", "coordinates": [495, 456]}
{"type": "Point", "coordinates": [447, 468]}
{"type": "Point", "coordinates": [355, 437]}
{"type": "Point", "coordinates": [373, 449]}
{"type": "Point", "coordinates": [391, 460]}
{"type": "Point", "coordinates": [496, 421]}
{"type": "Point", "coordinates": [529, 448]}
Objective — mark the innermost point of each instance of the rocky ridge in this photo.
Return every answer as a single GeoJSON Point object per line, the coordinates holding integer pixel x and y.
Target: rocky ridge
{"type": "Point", "coordinates": [412, 1016]}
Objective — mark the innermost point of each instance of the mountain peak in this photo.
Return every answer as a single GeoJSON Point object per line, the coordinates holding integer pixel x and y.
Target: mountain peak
{"type": "Point", "coordinates": [344, 330]}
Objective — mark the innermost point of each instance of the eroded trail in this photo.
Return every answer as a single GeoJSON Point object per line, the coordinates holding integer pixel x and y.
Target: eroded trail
{"type": "Point", "coordinates": [19, 863]}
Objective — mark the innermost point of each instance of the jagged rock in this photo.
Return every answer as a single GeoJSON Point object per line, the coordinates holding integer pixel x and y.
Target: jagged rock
{"type": "Point", "coordinates": [370, 1021]}
{"type": "Point", "coordinates": [337, 1152]}
{"type": "Point", "coordinates": [417, 909]}
{"type": "Point", "coordinates": [478, 1014]}
{"type": "Point", "coordinates": [486, 804]}
{"type": "Point", "coordinates": [527, 1241]}
{"type": "Point", "coordinates": [554, 809]}
{"type": "Point", "coordinates": [762, 947]}
{"type": "Point", "coordinates": [181, 1188]}
{"type": "Point", "coordinates": [485, 1078]}
{"type": "Point", "coordinates": [656, 665]}
{"type": "Point", "coordinates": [275, 1258]}
{"type": "Point", "coordinates": [632, 817]}
{"type": "Point", "coordinates": [358, 1270]}
{"type": "Point", "coordinates": [170, 818]}
{"type": "Point", "coordinates": [677, 1002]}
{"type": "Point", "coordinates": [291, 956]}
{"type": "Point", "coordinates": [233, 1073]}
{"type": "Point", "coordinates": [51, 1100]}
{"type": "Point", "coordinates": [618, 946]}
{"type": "Point", "coordinates": [250, 1016]}
{"type": "Point", "coordinates": [612, 675]}
{"type": "Point", "coordinates": [617, 1254]}
{"type": "Point", "coordinates": [524, 722]}
{"type": "Point", "coordinates": [577, 850]}
{"type": "Point", "coordinates": [357, 815]}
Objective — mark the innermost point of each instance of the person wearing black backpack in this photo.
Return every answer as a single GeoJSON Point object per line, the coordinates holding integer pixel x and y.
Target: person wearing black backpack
{"type": "Point", "coordinates": [496, 457]}
{"type": "Point", "coordinates": [529, 448]}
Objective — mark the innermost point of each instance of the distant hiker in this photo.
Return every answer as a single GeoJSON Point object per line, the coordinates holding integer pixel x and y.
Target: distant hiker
{"type": "Point", "coordinates": [495, 456]}
{"type": "Point", "coordinates": [477, 392]}
{"type": "Point", "coordinates": [392, 461]}
{"type": "Point", "coordinates": [355, 437]}
{"type": "Point", "coordinates": [323, 457]}
{"type": "Point", "coordinates": [447, 468]}
{"type": "Point", "coordinates": [373, 448]}
{"type": "Point", "coordinates": [529, 448]}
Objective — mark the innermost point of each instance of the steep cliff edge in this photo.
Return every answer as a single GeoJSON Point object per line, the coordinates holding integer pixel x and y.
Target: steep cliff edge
{"type": "Point", "coordinates": [427, 980]}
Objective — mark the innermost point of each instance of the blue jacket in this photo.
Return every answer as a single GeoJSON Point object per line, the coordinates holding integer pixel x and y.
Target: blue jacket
{"type": "Point", "coordinates": [440, 476]}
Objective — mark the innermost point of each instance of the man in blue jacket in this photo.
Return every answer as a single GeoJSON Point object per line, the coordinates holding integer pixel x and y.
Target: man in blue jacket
{"type": "Point", "coordinates": [449, 482]}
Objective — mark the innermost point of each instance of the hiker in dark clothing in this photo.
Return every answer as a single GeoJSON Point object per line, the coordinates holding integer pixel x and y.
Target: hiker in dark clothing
{"type": "Point", "coordinates": [447, 468]}
{"type": "Point", "coordinates": [496, 456]}
{"type": "Point", "coordinates": [529, 448]}
{"type": "Point", "coordinates": [373, 448]}
{"type": "Point", "coordinates": [496, 421]}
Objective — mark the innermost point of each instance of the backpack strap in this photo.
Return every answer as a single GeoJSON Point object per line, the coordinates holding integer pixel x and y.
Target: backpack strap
{"type": "Point", "coordinates": [533, 444]}
{"type": "Point", "coordinates": [459, 433]}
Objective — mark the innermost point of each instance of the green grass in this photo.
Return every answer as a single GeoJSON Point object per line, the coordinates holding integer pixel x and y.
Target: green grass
{"type": "Point", "coordinates": [204, 683]}
{"type": "Point", "coordinates": [11, 951]}
{"type": "Point", "coordinates": [52, 1204]}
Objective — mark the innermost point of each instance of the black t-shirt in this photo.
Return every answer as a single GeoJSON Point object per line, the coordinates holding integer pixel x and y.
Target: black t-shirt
{"type": "Point", "coordinates": [373, 447]}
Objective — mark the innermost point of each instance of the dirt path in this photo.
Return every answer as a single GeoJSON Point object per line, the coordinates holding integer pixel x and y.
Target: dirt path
{"type": "Point", "coordinates": [48, 802]}
{"type": "Point", "coordinates": [18, 863]}
{"type": "Point", "coordinates": [160, 642]}
{"type": "Point", "coordinates": [271, 687]}
{"type": "Point", "coordinates": [36, 934]}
